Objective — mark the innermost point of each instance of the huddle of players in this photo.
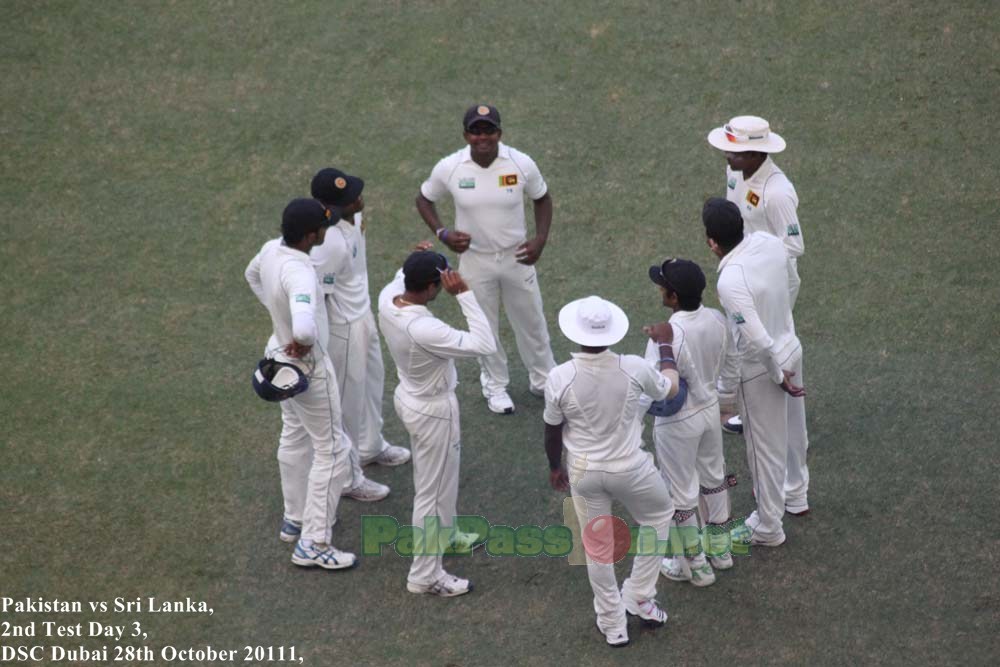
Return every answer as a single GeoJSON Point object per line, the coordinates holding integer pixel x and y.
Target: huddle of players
{"type": "Point", "coordinates": [748, 356]}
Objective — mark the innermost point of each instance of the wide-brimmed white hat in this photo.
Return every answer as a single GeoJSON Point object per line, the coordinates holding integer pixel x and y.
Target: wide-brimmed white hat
{"type": "Point", "coordinates": [746, 133]}
{"type": "Point", "coordinates": [593, 322]}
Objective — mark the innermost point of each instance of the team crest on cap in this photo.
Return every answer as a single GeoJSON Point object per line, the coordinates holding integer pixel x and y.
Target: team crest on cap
{"type": "Point", "coordinates": [752, 198]}
{"type": "Point", "coordinates": [483, 110]}
{"type": "Point", "coordinates": [340, 183]}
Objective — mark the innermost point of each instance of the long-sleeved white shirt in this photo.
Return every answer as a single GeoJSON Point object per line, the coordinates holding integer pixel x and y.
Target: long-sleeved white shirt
{"type": "Point", "coordinates": [768, 203]}
{"type": "Point", "coordinates": [425, 348]}
{"type": "Point", "coordinates": [701, 346]}
{"type": "Point", "coordinates": [283, 279]}
{"type": "Point", "coordinates": [753, 289]}
{"type": "Point", "coordinates": [597, 398]}
{"type": "Point", "coordinates": [342, 266]}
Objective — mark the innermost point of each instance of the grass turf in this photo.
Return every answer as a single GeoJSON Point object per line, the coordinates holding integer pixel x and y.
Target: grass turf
{"type": "Point", "coordinates": [149, 149]}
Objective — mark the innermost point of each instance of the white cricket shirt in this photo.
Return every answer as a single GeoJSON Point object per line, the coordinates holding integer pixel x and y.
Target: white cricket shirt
{"type": "Point", "coordinates": [596, 397]}
{"type": "Point", "coordinates": [753, 288]}
{"type": "Point", "coordinates": [489, 203]}
{"type": "Point", "coordinates": [424, 348]}
{"type": "Point", "coordinates": [342, 267]}
{"type": "Point", "coordinates": [768, 203]}
{"type": "Point", "coordinates": [285, 282]}
{"type": "Point", "coordinates": [701, 339]}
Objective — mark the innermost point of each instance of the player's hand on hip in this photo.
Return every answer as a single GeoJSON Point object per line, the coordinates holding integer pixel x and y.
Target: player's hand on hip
{"type": "Point", "coordinates": [558, 479]}
{"type": "Point", "coordinates": [789, 388]}
{"type": "Point", "coordinates": [456, 240]}
{"type": "Point", "coordinates": [297, 350]}
{"type": "Point", "coordinates": [661, 332]}
{"type": "Point", "coordinates": [453, 282]}
{"type": "Point", "coordinates": [529, 251]}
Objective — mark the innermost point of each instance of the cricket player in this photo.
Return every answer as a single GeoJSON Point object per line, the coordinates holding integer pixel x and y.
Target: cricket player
{"type": "Point", "coordinates": [753, 289]}
{"type": "Point", "coordinates": [424, 349]}
{"type": "Point", "coordinates": [689, 443]}
{"type": "Point", "coordinates": [764, 195]}
{"type": "Point", "coordinates": [487, 181]}
{"type": "Point", "coordinates": [313, 451]}
{"type": "Point", "coordinates": [591, 409]}
{"type": "Point", "coordinates": [354, 348]}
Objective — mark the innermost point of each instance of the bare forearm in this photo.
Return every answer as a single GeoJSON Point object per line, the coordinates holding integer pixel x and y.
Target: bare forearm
{"type": "Point", "coordinates": [543, 216]}
{"type": "Point", "coordinates": [554, 445]}
{"type": "Point", "coordinates": [427, 211]}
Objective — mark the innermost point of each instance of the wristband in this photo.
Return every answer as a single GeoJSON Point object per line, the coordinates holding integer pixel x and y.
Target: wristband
{"type": "Point", "coordinates": [664, 344]}
{"type": "Point", "coordinates": [670, 359]}
{"type": "Point", "coordinates": [441, 233]}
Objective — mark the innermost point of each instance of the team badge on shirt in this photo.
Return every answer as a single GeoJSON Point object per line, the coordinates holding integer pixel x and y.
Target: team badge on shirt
{"type": "Point", "coordinates": [738, 318]}
{"type": "Point", "coordinates": [329, 278]}
{"type": "Point", "coordinates": [731, 183]}
{"type": "Point", "coordinates": [303, 298]}
{"type": "Point", "coordinates": [793, 230]}
{"type": "Point", "coordinates": [752, 198]}
{"type": "Point", "coordinates": [466, 183]}
{"type": "Point", "coordinates": [508, 180]}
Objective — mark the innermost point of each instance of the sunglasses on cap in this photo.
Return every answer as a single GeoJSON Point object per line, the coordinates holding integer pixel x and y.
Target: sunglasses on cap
{"type": "Point", "coordinates": [483, 129]}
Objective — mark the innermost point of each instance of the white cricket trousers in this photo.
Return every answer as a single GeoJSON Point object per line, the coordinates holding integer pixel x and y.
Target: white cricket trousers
{"type": "Point", "coordinates": [689, 451]}
{"type": "Point", "coordinates": [644, 494]}
{"type": "Point", "coordinates": [357, 360]}
{"type": "Point", "coordinates": [777, 442]}
{"type": "Point", "coordinates": [435, 440]}
{"type": "Point", "coordinates": [496, 277]}
{"type": "Point", "coordinates": [313, 455]}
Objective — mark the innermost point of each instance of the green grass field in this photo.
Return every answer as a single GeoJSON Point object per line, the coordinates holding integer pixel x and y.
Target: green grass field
{"type": "Point", "coordinates": [149, 148]}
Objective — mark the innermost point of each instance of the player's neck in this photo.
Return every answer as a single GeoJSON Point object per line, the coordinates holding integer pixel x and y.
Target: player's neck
{"type": "Point", "coordinates": [485, 161]}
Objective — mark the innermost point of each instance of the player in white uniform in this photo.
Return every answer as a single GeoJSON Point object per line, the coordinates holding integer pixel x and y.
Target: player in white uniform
{"type": "Point", "coordinates": [488, 181]}
{"type": "Point", "coordinates": [424, 349]}
{"type": "Point", "coordinates": [591, 409]}
{"type": "Point", "coordinates": [342, 265]}
{"type": "Point", "coordinates": [312, 451]}
{"type": "Point", "coordinates": [689, 443]}
{"type": "Point", "coordinates": [753, 289]}
{"type": "Point", "coordinates": [764, 195]}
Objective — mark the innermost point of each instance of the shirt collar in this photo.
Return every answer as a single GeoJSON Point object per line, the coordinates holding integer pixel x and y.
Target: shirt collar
{"type": "Point", "coordinates": [738, 250]}
{"type": "Point", "coordinates": [502, 152]}
{"type": "Point", "coordinates": [686, 314]}
{"type": "Point", "coordinates": [766, 168]}
{"type": "Point", "coordinates": [591, 357]}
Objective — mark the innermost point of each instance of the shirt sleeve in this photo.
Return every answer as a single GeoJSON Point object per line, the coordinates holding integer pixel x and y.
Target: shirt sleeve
{"type": "Point", "coordinates": [654, 383]}
{"type": "Point", "coordinates": [299, 282]}
{"type": "Point", "coordinates": [729, 371]}
{"type": "Point", "coordinates": [534, 185]}
{"type": "Point", "coordinates": [252, 274]}
{"type": "Point", "coordinates": [781, 208]}
{"type": "Point", "coordinates": [436, 185]}
{"type": "Point", "coordinates": [553, 414]}
{"type": "Point", "coordinates": [738, 302]}
{"type": "Point", "coordinates": [329, 259]}
{"type": "Point", "coordinates": [440, 339]}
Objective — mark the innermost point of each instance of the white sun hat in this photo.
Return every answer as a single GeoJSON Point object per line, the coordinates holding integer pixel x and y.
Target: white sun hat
{"type": "Point", "coordinates": [746, 133]}
{"type": "Point", "coordinates": [593, 322]}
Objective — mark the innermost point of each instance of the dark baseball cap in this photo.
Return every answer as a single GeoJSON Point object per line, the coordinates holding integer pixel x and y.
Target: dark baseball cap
{"type": "Point", "coordinates": [334, 187]}
{"type": "Point", "coordinates": [721, 211]}
{"type": "Point", "coordinates": [424, 267]}
{"type": "Point", "coordinates": [481, 112]}
{"type": "Point", "coordinates": [303, 216]}
{"type": "Point", "coordinates": [681, 276]}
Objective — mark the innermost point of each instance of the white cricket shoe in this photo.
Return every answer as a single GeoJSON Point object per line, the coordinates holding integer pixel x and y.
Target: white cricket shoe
{"type": "Point", "coordinates": [614, 638]}
{"type": "Point", "coordinates": [322, 555]}
{"type": "Point", "coordinates": [290, 530]}
{"type": "Point", "coordinates": [448, 586]}
{"type": "Point", "coordinates": [390, 456]}
{"type": "Point", "coordinates": [647, 610]}
{"type": "Point", "coordinates": [500, 403]}
{"type": "Point", "coordinates": [368, 491]}
{"type": "Point", "coordinates": [698, 571]}
{"type": "Point", "coordinates": [721, 562]}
